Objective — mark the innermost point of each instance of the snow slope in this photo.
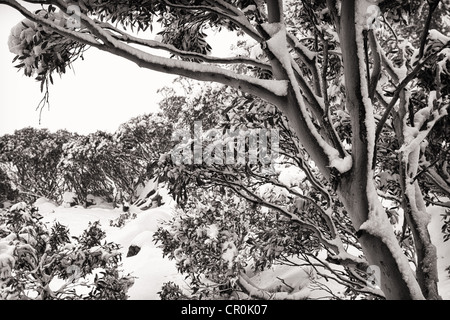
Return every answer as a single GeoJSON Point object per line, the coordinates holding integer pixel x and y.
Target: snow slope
{"type": "Point", "coordinates": [152, 270]}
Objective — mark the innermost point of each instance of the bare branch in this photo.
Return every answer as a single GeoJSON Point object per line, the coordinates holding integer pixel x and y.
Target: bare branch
{"type": "Point", "coordinates": [324, 76]}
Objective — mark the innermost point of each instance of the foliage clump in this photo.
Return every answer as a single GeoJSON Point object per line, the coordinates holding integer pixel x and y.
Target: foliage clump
{"type": "Point", "coordinates": [41, 263]}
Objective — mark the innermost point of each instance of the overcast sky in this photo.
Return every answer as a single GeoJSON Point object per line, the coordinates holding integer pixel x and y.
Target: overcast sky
{"type": "Point", "coordinates": [104, 91]}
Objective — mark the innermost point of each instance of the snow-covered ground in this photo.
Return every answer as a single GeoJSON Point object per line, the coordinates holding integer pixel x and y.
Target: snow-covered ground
{"type": "Point", "coordinates": [152, 270]}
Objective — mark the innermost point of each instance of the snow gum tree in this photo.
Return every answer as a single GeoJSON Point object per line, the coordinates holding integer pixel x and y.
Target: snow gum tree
{"type": "Point", "coordinates": [30, 158]}
{"type": "Point", "coordinates": [382, 66]}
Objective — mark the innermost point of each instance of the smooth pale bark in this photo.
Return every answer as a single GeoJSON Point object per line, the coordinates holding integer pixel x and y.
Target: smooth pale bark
{"type": "Point", "coordinates": [415, 213]}
{"type": "Point", "coordinates": [354, 187]}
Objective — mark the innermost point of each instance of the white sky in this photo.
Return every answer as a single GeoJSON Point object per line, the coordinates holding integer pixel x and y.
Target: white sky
{"type": "Point", "coordinates": [104, 92]}
{"type": "Point", "coordinates": [99, 93]}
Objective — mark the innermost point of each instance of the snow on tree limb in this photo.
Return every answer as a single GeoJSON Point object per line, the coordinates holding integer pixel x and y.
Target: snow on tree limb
{"type": "Point", "coordinates": [368, 216]}
{"type": "Point", "coordinates": [277, 45]}
{"type": "Point", "coordinates": [227, 11]}
{"type": "Point", "coordinates": [253, 291]}
{"type": "Point", "coordinates": [153, 44]}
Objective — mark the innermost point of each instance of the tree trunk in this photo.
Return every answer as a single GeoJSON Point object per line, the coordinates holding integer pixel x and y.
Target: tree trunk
{"type": "Point", "coordinates": [357, 188]}
{"type": "Point", "coordinates": [415, 211]}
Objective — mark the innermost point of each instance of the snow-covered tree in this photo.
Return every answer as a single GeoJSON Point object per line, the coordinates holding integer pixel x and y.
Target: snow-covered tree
{"type": "Point", "coordinates": [371, 65]}
{"type": "Point", "coordinates": [30, 158]}
{"type": "Point", "coordinates": [101, 164]}
{"type": "Point", "coordinates": [271, 192]}
{"type": "Point", "coordinates": [140, 141]}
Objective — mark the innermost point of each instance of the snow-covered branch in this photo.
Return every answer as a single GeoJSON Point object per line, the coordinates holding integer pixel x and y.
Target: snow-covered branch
{"type": "Point", "coordinates": [257, 293]}
{"type": "Point", "coordinates": [273, 91]}
{"type": "Point", "coordinates": [226, 11]}
{"type": "Point", "coordinates": [153, 44]}
{"type": "Point", "coordinates": [325, 155]}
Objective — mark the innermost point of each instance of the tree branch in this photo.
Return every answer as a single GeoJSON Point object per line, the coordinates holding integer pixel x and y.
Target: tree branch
{"type": "Point", "coordinates": [252, 197]}
{"type": "Point", "coordinates": [228, 12]}
{"type": "Point", "coordinates": [400, 87]}
{"type": "Point", "coordinates": [184, 54]}
{"type": "Point", "coordinates": [332, 7]}
{"type": "Point", "coordinates": [308, 58]}
{"type": "Point", "coordinates": [432, 5]}
{"type": "Point", "coordinates": [263, 88]}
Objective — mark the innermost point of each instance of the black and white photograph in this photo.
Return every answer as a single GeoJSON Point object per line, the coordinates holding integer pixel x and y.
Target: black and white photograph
{"type": "Point", "coordinates": [225, 155]}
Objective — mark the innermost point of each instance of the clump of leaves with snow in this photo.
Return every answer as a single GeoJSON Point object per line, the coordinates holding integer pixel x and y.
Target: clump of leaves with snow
{"type": "Point", "coordinates": [40, 51]}
{"type": "Point", "coordinates": [209, 240]}
{"type": "Point", "coordinates": [46, 264]}
{"type": "Point", "coordinates": [171, 291]}
{"type": "Point", "coordinates": [221, 237]}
